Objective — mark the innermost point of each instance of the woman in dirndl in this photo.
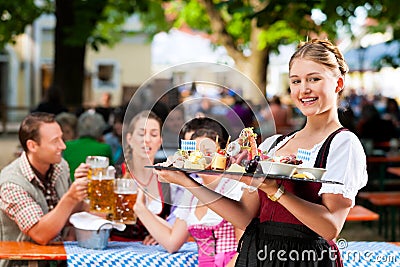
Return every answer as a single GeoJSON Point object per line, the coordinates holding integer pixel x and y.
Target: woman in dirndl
{"type": "Point", "coordinates": [288, 222]}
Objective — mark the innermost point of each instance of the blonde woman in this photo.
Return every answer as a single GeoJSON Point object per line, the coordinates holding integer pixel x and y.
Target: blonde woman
{"type": "Point", "coordinates": [287, 220]}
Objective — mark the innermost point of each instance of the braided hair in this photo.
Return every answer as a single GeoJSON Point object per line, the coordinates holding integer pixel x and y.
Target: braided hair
{"type": "Point", "coordinates": [321, 52]}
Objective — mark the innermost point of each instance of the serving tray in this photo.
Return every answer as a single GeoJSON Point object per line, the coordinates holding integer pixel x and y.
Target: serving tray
{"type": "Point", "coordinates": [254, 175]}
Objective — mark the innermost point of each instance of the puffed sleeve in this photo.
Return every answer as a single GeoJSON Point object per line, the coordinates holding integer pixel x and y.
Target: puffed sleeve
{"type": "Point", "coordinates": [346, 163]}
{"type": "Point", "coordinates": [183, 208]}
{"type": "Point", "coordinates": [266, 145]}
{"type": "Point", "coordinates": [231, 188]}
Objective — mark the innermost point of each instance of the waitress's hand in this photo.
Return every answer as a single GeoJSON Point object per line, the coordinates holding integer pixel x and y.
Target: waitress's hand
{"type": "Point", "coordinates": [174, 177]}
{"type": "Point", "coordinates": [269, 186]}
{"type": "Point", "coordinates": [239, 157]}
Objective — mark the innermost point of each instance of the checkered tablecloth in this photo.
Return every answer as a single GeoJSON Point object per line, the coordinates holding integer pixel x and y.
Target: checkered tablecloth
{"type": "Point", "coordinates": [130, 254]}
{"type": "Point", "coordinates": [121, 254]}
{"type": "Point", "coordinates": [369, 254]}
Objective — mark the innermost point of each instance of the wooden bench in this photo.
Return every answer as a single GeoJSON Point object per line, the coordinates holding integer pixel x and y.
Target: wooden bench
{"type": "Point", "coordinates": [379, 165]}
{"type": "Point", "coordinates": [360, 213]}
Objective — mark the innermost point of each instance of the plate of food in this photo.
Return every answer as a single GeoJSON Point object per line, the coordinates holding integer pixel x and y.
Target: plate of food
{"type": "Point", "coordinates": [237, 171]}
{"type": "Point", "coordinates": [257, 165]}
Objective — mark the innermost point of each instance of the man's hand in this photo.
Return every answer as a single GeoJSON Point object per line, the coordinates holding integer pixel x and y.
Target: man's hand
{"type": "Point", "coordinates": [82, 171]}
{"type": "Point", "coordinates": [78, 190]}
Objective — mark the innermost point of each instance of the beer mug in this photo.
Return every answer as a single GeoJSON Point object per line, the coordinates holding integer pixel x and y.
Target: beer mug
{"type": "Point", "coordinates": [101, 184]}
{"type": "Point", "coordinates": [125, 192]}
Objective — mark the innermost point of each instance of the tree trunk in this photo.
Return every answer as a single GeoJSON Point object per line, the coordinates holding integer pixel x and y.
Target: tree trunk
{"type": "Point", "coordinates": [69, 58]}
{"type": "Point", "coordinates": [255, 66]}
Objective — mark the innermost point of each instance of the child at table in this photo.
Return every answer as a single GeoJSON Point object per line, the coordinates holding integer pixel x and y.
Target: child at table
{"type": "Point", "coordinates": [215, 237]}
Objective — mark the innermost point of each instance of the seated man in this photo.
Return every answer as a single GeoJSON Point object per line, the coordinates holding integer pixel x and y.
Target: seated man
{"type": "Point", "coordinates": [36, 195]}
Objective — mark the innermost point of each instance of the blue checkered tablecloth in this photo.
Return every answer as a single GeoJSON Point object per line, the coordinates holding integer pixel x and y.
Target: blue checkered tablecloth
{"type": "Point", "coordinates": [126, 254]}
{"type": "Point", "coordinates": [369, 254]}
{"type": "Point", "coordinates": [121, 254]}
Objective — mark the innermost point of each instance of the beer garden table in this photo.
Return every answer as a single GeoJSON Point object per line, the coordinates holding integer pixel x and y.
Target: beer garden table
{"type": "Point", "coordinates": [394, 170]}
{"type": "Point", "coordinates": [354, 254]}
{"type": "Point", "coordinates": [382, 163]}
{"type": "Point", "coordinates": [116, 254]}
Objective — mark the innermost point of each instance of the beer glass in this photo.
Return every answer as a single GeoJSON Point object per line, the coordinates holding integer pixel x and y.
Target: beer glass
{"type": "Point", "coordinates": [101, 184]}
{"type": "Point", "coordinates": [125, 192]}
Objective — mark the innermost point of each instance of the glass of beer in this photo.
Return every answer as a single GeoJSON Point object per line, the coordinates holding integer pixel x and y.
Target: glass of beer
{"type": "Point", "coordinates": [125, 191]}
{"type": "Point", "coordinates": [101, 184]}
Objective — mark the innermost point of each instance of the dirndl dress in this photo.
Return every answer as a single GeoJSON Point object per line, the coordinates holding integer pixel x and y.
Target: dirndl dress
{"type": "Point", "coordinates": [216, 244]}
{"type": "Point", "coordinates": [278, 239]}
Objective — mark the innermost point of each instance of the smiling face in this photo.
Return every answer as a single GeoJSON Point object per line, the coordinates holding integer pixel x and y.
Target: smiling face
{"type": "Point", "coordinates": [145, 139]}
{"type": "Point", "coordinates": [313, 87]}
{"type": "Point", "coordinates": [48, 149]}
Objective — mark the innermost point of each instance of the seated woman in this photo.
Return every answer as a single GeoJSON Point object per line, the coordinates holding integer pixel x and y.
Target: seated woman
{"type": "Point", "coordinates": [215, 237]}
{"type": "Point", "coordinates": [143, 140]}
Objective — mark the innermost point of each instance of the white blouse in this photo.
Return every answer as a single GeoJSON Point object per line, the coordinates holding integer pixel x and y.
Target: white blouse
{"type": "Point", "coordinates": [346, 163]}
{"type": "Point", "coordinates": [187, 206]}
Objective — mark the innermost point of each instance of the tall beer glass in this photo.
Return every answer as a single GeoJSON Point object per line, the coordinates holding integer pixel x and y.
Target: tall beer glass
{"type": "Point", "coordinates": [101, 185]}
{"type": "Point", "coordinates": [125, 198]}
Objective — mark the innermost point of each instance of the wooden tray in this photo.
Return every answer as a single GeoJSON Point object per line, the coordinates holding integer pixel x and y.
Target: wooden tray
{"type": "Point", "coordinates": [254, 175]}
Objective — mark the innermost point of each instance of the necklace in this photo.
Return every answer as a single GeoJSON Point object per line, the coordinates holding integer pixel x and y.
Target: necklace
{"type": "Point", "coordinates": [144, 185]}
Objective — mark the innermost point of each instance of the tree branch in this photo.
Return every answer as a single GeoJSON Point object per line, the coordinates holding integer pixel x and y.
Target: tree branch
{"type": "Point", "coordinates": [218, 26]}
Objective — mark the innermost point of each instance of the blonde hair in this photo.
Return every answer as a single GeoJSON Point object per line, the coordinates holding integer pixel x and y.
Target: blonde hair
{"type": "Point", "coordinates": [321, 52]}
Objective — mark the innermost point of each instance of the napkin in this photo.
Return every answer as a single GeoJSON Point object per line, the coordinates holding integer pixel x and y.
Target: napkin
{"type": "Point", "coordinates": [87, 221]}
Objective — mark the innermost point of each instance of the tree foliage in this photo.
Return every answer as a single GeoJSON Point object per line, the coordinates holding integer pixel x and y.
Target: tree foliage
{"type": "Point", "coordinates": [249, 29]}
{"type": "Point", "coordinates": [14, 18]}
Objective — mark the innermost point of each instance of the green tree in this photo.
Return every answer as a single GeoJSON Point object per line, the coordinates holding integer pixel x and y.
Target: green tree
{"type": "Point", "coordinates": [249, 30]}
{"type": "Point", "coordinates": [14, 19]}
{"type": "Point", "coordinates": [79, 23]}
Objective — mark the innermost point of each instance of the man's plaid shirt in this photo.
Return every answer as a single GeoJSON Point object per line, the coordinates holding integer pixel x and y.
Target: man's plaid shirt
{"type": "Point", "coordinates": [19, 205]}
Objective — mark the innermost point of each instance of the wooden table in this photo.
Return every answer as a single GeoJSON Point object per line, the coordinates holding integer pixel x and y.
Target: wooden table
{"type": "Point", "coordinates": [117, 253]}
{"type": "Point", "coordinates": [384, 201]}
{"type": "Point", "coordinates": [394, 170]}
{"type": "Point", "coordinates": [377, 194]}
{"type": "Point", "coordinates": [360, 213]}
{"type": "Point", "coordinates": [29, 251]}
{"type": "Point", "coordinates": [382, 163]}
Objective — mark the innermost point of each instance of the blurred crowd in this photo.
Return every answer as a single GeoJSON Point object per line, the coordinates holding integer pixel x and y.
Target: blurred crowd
{"type": "Point", "coordinates": [374, 118]}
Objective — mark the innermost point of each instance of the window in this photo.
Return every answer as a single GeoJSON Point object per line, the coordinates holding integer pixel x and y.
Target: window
{"type": "Point", "coordinates": [106, 75]}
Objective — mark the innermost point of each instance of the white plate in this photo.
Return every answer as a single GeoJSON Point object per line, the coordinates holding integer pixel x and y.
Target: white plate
{"type": "Point", "coordinates": [316, 173]}
{"type": "Point", "coordinates": [274, 168]}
